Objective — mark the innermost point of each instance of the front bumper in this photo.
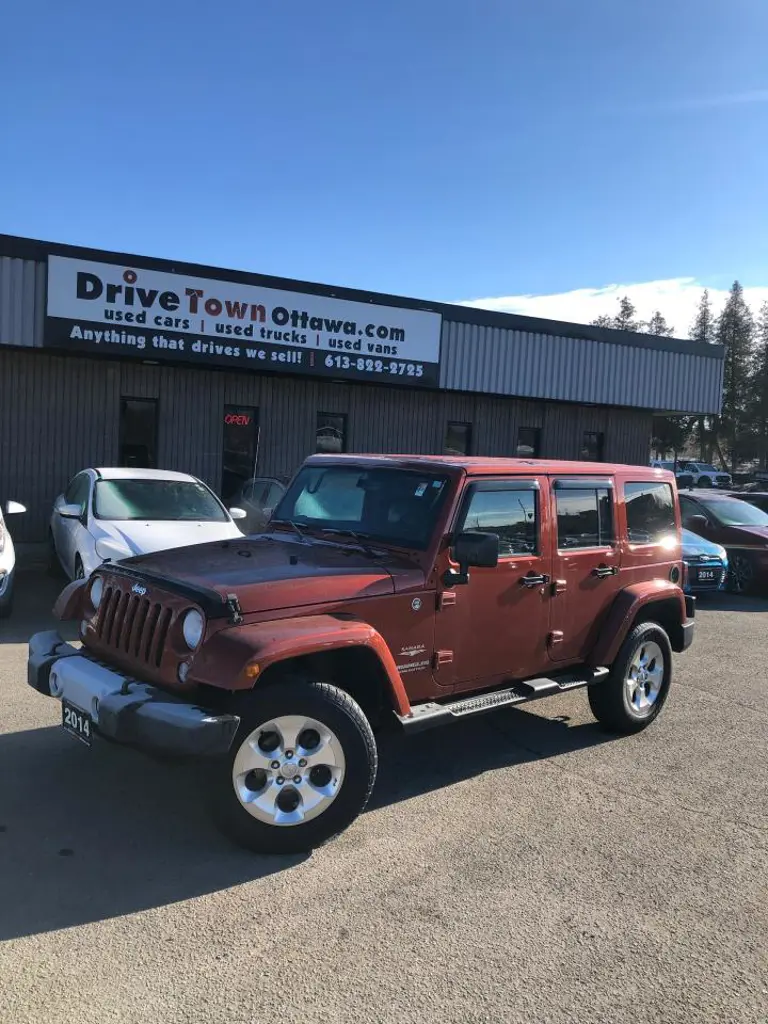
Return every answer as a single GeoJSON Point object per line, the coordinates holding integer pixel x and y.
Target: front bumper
{"type": "Point", "coordinates": [123, 710]}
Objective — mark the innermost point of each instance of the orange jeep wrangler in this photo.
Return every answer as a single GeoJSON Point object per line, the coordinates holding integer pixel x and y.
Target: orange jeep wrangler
{"type": "Point", "coordinates": [417, 588]}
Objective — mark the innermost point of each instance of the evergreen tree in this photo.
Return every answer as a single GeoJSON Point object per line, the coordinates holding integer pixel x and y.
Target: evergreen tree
{"type": "Point", "coordinates": [735, 331]}
{"type": "Point", "coordinates": [703, 331]}
{"type": "Point", "coordinates": [759, 389]}
{"type": "Point", "coordinates": [658, 325]}
{"type": "Point", "coordinates": [626, 318]}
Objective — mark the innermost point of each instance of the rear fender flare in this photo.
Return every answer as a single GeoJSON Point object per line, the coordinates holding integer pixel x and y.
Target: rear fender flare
{"type": "Point", "coordinates": [224, 658]}
{"type": "Point", "coordinates": [624, 612]}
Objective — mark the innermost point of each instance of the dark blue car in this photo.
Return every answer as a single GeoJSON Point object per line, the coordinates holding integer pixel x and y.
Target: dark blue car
{"type": "Point", "coordinates": [706, 564]}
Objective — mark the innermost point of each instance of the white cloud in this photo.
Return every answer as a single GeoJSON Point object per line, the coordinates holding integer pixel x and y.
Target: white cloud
{"type": "Point", "coordinates": [677, 299]}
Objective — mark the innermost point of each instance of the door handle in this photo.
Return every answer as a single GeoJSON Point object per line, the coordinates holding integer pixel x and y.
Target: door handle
{"type": "Point", "coordinates": [601, 571]}
{"type": "Point", "coordinates": [533, 580]}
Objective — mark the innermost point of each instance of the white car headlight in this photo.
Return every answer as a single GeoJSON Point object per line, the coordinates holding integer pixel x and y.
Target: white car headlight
{"type": "Point", "coordinates": [192, 629]}
{"type": "Point", "coordinates": [97, 591]}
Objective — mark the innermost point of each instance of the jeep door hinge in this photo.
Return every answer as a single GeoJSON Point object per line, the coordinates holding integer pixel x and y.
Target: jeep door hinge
{"type": "Point", "coordinates": [555, 637]}
{"type": "Point", "coordinates": [235, 611]}
{"type": "Point", "coordinates": [446, 599]}
{"type": "Point", "coordinates": [441, 658]}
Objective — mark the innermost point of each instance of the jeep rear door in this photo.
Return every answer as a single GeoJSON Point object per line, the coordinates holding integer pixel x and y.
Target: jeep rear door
{"type": "Point", "coordinates": [587, 559]}
{"type": "Point", "coordinates": [494, 628]}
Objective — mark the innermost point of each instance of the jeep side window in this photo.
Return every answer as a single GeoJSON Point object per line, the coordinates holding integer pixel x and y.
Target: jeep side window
{"type": "Point", "coordinates": [584, 518]}
{"type": "Point", "coordinates": [511, 515]}
{"type": "Point", "coordinates": [650, 510]}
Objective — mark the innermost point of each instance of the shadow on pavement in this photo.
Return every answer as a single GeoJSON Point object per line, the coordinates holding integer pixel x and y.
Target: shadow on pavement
{"type": "Point", "coordinates": [34, 598]}
{"type": "Point", "coordinates": [87, 835]}
{"type": "Point", "coordinates": [722, 601]}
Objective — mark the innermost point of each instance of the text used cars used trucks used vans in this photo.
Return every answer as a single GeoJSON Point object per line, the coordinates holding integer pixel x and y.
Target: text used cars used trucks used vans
{"type": "Point", "coordinates": [414, 589]}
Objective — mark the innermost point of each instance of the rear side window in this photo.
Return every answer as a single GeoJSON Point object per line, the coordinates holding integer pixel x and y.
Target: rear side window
{"type": "Point", "coordinates": [584, 518]}
{"type": "Point", "coordinates": [650, 512]}
{"type": "Point", "coordinates": [511, 515]}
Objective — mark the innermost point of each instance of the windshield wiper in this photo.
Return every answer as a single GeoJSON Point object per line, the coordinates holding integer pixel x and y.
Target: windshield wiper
{"type": "Point", "coordinates": [358, 538]}
{"type": "Point", "coordinates": [292, 522]}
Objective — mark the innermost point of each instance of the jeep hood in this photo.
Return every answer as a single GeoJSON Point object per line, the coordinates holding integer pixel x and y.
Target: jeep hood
{"type": "Point", "coordinates": [268, 573]}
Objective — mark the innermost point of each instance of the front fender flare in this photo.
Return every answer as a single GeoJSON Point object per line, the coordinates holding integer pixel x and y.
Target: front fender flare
{"type": "Point", "coordinates": [223, 659]}
{"type": "Point", "coordinates": [625, 610]}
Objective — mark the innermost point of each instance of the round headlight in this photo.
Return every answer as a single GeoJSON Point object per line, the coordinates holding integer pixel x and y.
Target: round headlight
{"type": "Point", "coordinates": [97, 591]}
{"type": "Point", "coordinates": [192, 629]}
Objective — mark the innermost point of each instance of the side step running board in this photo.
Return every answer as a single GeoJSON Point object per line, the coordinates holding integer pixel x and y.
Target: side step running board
{"type": "Point", "coordinates": [431, 713]}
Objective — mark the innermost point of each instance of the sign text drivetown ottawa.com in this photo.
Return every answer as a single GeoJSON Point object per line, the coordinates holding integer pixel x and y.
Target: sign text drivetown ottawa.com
{"type": "Point", "coordinates": [121, 310]}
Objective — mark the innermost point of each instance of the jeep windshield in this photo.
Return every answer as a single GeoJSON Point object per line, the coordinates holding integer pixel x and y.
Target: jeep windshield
{"type": "Point", "coordinates": [391, 506]}
{"type": "Point", "coordinates": [156, 500]}
{"type": "Point", "coordinates": [734, 512]}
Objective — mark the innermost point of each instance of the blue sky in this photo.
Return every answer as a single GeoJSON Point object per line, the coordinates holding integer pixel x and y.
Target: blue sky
{"type": "Point", "coordinates": [491, 150]}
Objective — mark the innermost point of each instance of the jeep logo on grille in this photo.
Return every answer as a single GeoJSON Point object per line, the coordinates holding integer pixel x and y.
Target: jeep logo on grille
{"type": "Point", "coordinates": [138, 589]}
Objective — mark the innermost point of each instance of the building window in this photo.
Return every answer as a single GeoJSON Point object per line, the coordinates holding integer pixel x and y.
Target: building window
{"type": "Point", "coordinates": [592, 446]}
{"type": "Point", "coordinates": [138, 433]}
{"type": "Point", "coordinates": [528, 443]}
{"type": "Point", "coordinates": [331, 433]}
{"type": "Point", "coordinates": [240, 449]}
{"type": "Point", "coordinates": [458, 439]}
{"type": "Point", "coordinates": [584, 518]}
{"type": "Point", "coordinates": [650, 512]}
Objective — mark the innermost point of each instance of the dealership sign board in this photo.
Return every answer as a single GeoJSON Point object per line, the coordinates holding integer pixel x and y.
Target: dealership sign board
{"type": "Point", "coordinates": [126, 310]}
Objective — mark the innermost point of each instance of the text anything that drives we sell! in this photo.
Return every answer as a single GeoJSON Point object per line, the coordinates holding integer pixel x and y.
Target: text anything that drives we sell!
{"type": "Point", "coordinates": [139, 312]}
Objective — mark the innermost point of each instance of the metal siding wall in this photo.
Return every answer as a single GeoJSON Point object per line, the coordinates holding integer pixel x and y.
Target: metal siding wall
{"type": "Point", "coordinates": [22, 302]}
{"type": "Point", "coordinates": [60, 414]}
{"type": "Point", "coordinates": [496, 361]}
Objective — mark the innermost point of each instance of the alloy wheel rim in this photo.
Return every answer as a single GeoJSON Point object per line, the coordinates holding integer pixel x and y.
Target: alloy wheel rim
{"type": "Point", "coordinates": [741, 573]}
{"type": "Point", "coordinates": [645, 677]}
{"type": "Point", "coordinates": [289, 770]}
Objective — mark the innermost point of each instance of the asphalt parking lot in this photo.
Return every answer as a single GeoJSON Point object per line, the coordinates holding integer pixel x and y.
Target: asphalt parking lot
{"type": "Point", "coordinates": [518, 867]}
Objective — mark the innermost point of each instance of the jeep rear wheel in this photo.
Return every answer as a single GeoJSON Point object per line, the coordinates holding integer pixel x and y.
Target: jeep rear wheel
{"type": "Point", "coordinates": [300, 770]}
{"type": "Point", "coordinates": [636, 689]}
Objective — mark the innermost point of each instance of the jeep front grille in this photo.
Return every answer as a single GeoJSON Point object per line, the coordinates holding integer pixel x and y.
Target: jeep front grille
{"type": "Point", "coordinates": [133, 625]}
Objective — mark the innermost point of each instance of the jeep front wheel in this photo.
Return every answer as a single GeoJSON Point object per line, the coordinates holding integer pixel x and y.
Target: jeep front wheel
{"type": "Point", "coordinates": [636, 689]}
{"type": "Point", "coordinates": [300, 770]}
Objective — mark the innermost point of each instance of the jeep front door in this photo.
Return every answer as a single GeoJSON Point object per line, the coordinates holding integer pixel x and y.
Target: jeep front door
{"type": "Point", "coordinates": [494, 627]}
{"type": "Point", "coordinates": [586, 567]}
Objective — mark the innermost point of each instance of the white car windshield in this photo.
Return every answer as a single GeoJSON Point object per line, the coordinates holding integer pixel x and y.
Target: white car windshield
{"type": "Point", "coordinates": [157, 500]}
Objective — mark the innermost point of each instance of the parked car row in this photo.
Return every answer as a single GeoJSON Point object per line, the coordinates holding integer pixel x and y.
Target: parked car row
{"type": "Point", "coordinates": [116, 513]}
{"type": "Point", "coordinates": [696, 474]}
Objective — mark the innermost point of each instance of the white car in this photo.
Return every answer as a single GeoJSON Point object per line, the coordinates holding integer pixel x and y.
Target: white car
{"type": "Point", "coordinates": [7, 558]}
{"type": "Point", "coordinates": [119, 513]}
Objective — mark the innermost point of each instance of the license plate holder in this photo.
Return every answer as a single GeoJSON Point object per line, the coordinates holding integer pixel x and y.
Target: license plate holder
{"type": "Point", "coordinates": [76, 722]}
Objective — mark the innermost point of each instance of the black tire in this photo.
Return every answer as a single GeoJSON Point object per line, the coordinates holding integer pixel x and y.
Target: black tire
{"type": "Point", "coordinates": [6, 601]}
{"type": "Point", "coordinates": [610, 699]}
{"type": "Point", "coordinates": [742, 574]}
{"type": "Point", "coordinates": [337, 711]}
{"type": "Point", "coordinates": [79, 570]}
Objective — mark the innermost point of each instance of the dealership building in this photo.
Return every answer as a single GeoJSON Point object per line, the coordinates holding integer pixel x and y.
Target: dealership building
{"type": "Point", "coordinates": [113, 359]}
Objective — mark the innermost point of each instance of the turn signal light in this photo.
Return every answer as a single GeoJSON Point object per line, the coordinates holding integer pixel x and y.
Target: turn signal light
{"type": "Point", "coordinates": [252, 670]}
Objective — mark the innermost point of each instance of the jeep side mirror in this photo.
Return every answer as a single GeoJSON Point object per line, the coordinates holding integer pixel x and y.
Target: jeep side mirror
{"type": "Point", "coordinates": [472, 550]}
{"type": "Point", "coordinates": [696, 523]}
